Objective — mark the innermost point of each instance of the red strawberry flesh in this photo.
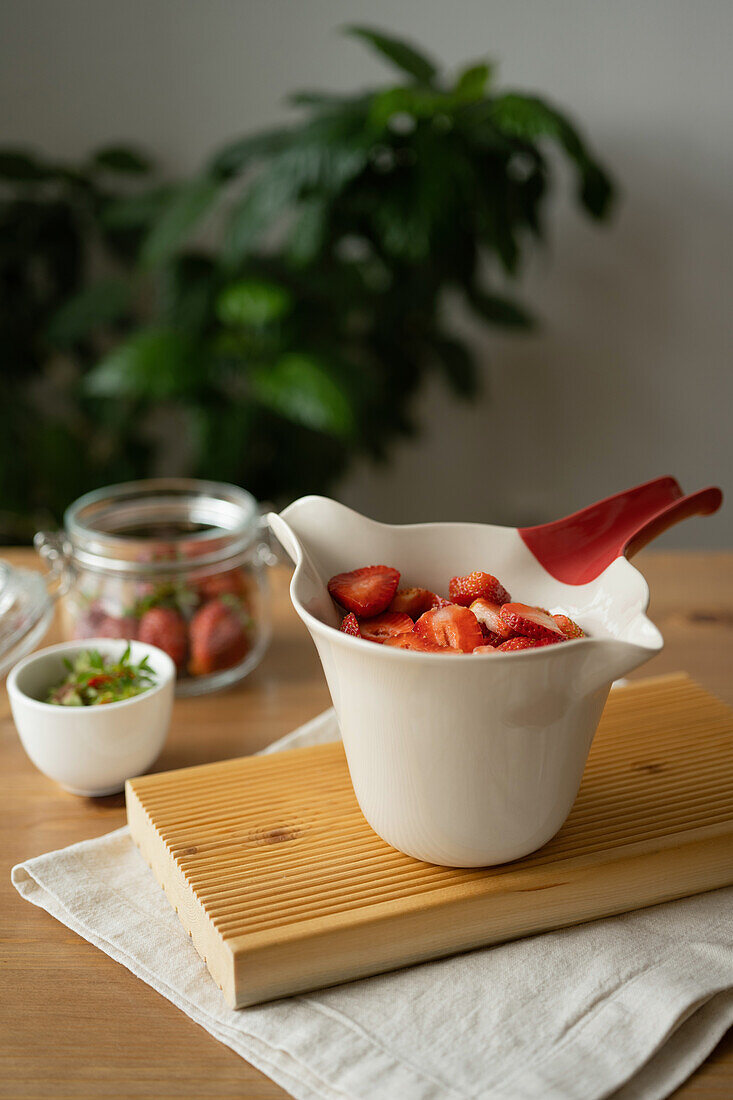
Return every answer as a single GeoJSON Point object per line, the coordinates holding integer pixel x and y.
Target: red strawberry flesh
{"type": "Point", "coordinates": [165, 628]}
{"type": "Point", "coordinates": [452, 626]}
{"type": "Point", "coordinates": [513, 644]}
{"type": "Point", "coordinates": [489, 616]}
{"type": "Point", "coordinates": [569, 628]}
{"type": "Point", "coordinates": [413, 601]}
{"type": "Point", "coordinates": [479, 617]}
{"type": "Point", "coordinates": [464, 590]}
{"type": "Point", "coordinates": [388, 625]}
{"type": "Point", "coordinates": [531, 622]}
{"type": "Point", "coordinates": [350, 625]}
{"type": "Point", "coordinates": [366, 592]}
{"type": "Point", "coordinates": [416, 643]}
{"type": "Point", "coordinates": [218, 638]}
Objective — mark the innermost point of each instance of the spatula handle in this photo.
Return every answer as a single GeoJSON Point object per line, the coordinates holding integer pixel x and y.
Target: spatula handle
{"type": "Point", "coordinates": [577, 548]}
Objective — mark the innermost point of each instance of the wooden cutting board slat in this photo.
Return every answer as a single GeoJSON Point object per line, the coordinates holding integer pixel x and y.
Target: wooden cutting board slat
{"type": "Point", "coordinates": [284, 887]}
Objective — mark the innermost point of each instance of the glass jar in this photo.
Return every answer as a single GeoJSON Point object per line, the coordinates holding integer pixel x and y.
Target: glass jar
{"type": "Point", "coordinates": [26, 610]}
{"type": "Point", "coordinates": [175, 562]}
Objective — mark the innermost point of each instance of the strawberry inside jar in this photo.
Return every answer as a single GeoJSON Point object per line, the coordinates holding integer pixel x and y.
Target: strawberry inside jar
{"type": "Point", "coordinates": [177, 563]}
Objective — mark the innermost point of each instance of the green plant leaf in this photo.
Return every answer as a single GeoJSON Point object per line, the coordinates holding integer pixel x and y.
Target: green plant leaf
{"type": "Point", "coordinates": [301, 388]}
{"type": "Point", "coordinates": [21, 167]}
{"type": "Point", "coordinates": [253, 303]}
{"type": "Point", "coordinates": [324, 159]}
{"type": "Point", "coordinates": [597, 191]}
{"type": "Point", "coordinates": [416, 101]}
{"type": "Point", "coordinates": [500, 311]}
{"type": "Point", "coordinates": [122, 159]}
{"type": "Point", "coordinates": [472, 81]}
{"type": "Point", "coordinates": [457, 363]}
{"type": "Point", "coordinates": [152, 364]}
{"type": "Point", "coordinates": [317, 100]}
{"type": "Point", "coordinates": [95, 306]}
{"type": "Point", "coordinates": [268, 196]}
{"type": "Point", "coordinates": [365, 217]}
{"type": "Point", "coordinates": [308, 234]}
{"type": "Point", "coordinates": [530, 118]}
{"type": "Point", "coordinates": [245, 151]}
{"type": "Point", "coordinates": [187, 287]}
{"type": "Point", "coordinates": [400, 53]}
{"type": "Point", "coordinates": [135, 211]}
{"type": "Point", "coordinates": [188, 205]}
{"type": "Point", "coordinates": [531, 193]}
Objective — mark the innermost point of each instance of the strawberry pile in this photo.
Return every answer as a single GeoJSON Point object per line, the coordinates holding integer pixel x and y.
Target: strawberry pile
{"type": "Point", "coordinates": [477, 617]}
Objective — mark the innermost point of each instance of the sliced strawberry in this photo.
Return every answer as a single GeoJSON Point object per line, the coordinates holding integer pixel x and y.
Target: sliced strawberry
{"type": "Point", "coordinates": [166, 628]}
{"type": "Point", "coordinates": [413, 601]}
{"type": "Point", "coordinates": [490, 649]}
{"type": "Point", "coordinates": [532, 622]}
{"type": "Point", "coordinates": [350, 625]}
{"type": "Point", "coordinates": [493, 626]}
{"type": "Point", "coordinates": [464, 590]}
{"type": "Point", "coordinates": [518, 643]}
{"type": "Point", "coordinates": [384, 626]}
{"type": "Point", "coordinates": [568, 627]}
{"type": "Point", "coordinates": [367, 591]}
{"type": "Point", "coordinates": [218, 636]}
{"type": "Point", "coordinates": [416, 643]}
{"type": "Point", "coordinates": [452, 626]}
{"type": "Point", "coordinates": [440, 601]}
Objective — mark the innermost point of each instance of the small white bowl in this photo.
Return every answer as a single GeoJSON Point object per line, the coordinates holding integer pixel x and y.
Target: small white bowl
{"type": "Point", "coordinates": [91, 750]}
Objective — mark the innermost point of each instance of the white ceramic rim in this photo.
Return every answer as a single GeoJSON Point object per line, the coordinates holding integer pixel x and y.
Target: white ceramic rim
{"type": "Point", "coordinates": [327, 631]}
{"type": "Point", "coordinates": [79, 646]}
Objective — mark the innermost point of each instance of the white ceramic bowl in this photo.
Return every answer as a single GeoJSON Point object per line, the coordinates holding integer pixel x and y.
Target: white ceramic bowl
{"type": "Point", "coordinates": [91, 750]}
{"type": "Point", "coordinates": [463, 760]}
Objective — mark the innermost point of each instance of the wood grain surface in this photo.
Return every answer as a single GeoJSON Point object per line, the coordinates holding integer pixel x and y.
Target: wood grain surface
{"type": "Point", "coordinates": [73, 1023]}
{"type": "Point", "coordinates": [284, 888]}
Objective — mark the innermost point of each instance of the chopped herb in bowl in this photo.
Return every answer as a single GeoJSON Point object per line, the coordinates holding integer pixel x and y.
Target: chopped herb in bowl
{"type": "Point", "coordinates": [94, 679]}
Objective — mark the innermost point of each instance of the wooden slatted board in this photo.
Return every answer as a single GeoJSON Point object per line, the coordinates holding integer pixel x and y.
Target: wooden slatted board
{"type": "Point", "coordinates": [284, 887]}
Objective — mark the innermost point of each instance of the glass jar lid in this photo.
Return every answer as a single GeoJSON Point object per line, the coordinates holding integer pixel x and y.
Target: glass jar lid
{"type": "Point", "coordinates": [160, 525]}
{"type": "Point", "coordinates": [26, 609]}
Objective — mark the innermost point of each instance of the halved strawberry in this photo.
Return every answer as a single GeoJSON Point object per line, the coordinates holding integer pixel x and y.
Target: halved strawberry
{"type": "Point", "coordinates": [518, 643]}
{"type": "Point", "coordinates": [384, 626]}
{"type": "Point", "coordinates": [464, 590]}
{"type": "Point", "coordinates": [367, 591]}
{"type": "Point", "coordinates": [452, 626]}
{"type": "Point", "coordinates": [166, 628]}
{"type": "Point", "coordinates": [569, 628]}
{"type": "Point", "coordinates": [490, 649]}
{"type": "Point", "coordinates": [417, 643]}
{"type": "Point", "coordinates": [413, 601]}
{"type": "Point", "coordinates": [440, 601]}
{"type": "Point", "coordinates": [218, 637]}
{"type": "Point", "coordinates": [493, 626]}
{"type": "Point", "coordinates": [350, 625]}
{"type": "Point", "coordinates": [532, 622]}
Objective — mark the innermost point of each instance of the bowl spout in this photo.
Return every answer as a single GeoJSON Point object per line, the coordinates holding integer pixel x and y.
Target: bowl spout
{"type": "Point", "coordinates": [603, 660]}
{"type": "Point", "coordinates": [326, 535]}
{"type": "Point", "coordinates": [315, 536]}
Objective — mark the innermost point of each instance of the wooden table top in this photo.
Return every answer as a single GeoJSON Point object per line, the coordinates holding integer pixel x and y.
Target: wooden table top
{"type": "Point", "coordinates": [73, 1023]}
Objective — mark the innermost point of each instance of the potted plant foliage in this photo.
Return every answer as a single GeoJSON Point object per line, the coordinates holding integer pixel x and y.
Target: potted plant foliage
{"type": "Point", "coordinates": [272, 317]}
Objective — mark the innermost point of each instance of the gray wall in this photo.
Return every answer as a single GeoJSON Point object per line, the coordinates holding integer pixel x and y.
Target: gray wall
{"type": "Point", "coordinates": [629, 376]}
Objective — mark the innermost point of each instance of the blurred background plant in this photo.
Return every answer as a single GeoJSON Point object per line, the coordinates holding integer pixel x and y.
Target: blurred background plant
{"type": "Point", "coordinates": [272, 318]}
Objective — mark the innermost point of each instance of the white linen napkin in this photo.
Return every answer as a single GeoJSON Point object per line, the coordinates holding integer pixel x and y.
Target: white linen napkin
{"type": "Point", "coordinates": [627, 1006]}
